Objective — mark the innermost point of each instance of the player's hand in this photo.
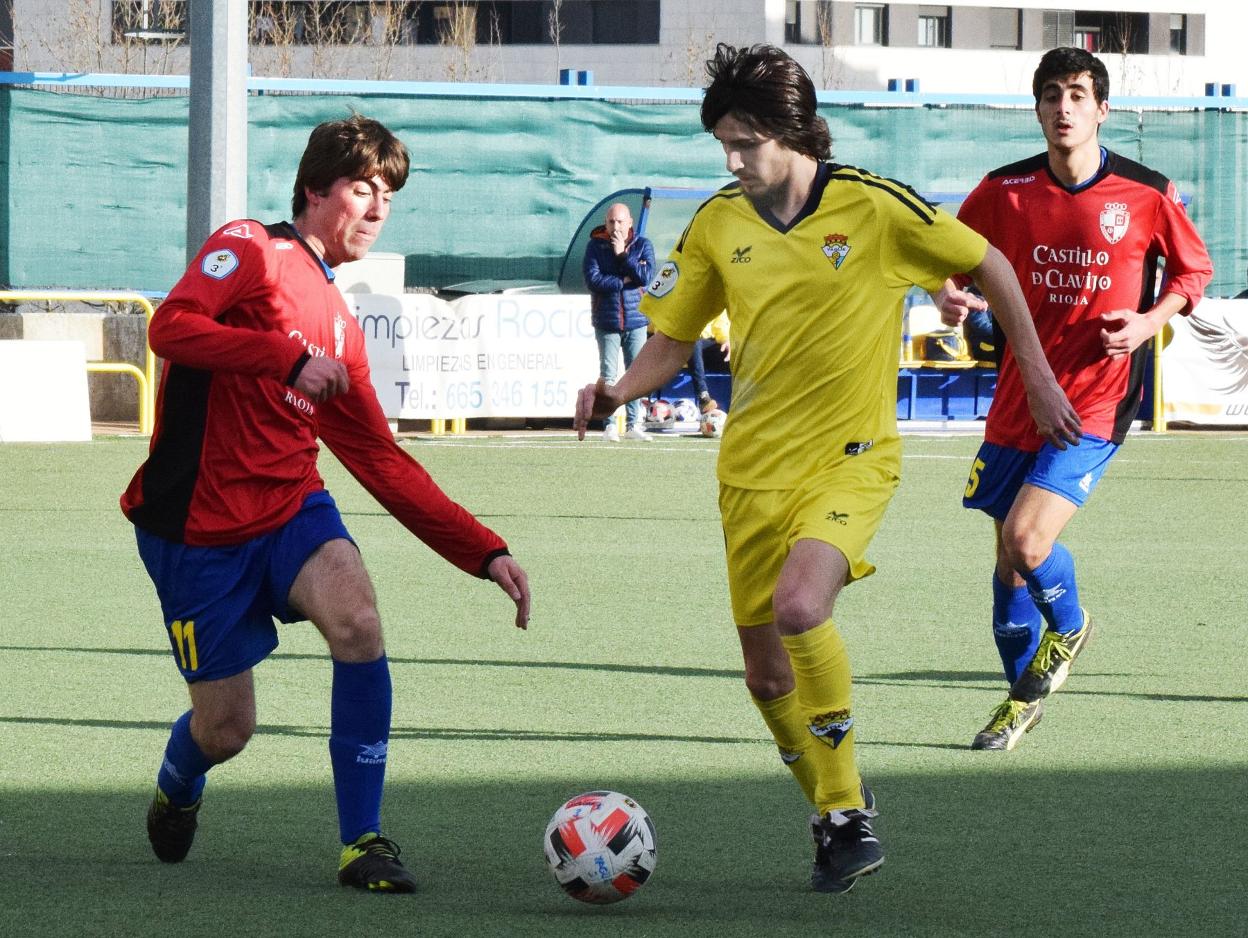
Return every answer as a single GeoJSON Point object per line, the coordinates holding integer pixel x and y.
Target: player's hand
{"type": "Point", "coordinates": [593, 402]}
{"type": "Point", "coordinates": [513, 581]}
{"type": "Point", "coordinates": [1055, 417]}
{"type": "Point", "coordinates": [322, 378]}
{"type": "Point", "coordinates": [726, 351]}
{"type": "Point", "coordinates": [1125, 331]}
{"type": "Point", "coordinates": [955, 304]}
{"type": "Point", "coordinates": [619, 243]}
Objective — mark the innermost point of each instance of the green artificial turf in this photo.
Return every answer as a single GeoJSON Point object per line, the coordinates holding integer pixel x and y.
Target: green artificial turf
{"type": "Point", "coordinates": [1124, 813]}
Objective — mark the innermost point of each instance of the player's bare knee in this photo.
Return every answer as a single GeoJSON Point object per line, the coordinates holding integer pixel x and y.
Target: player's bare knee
{"type": "Point", "coordinates": [764, 685]}
{"type": "Point", "coordinates": [226, 739]}
{"type": "Point", "coordinates": [1025, 549]}
{"type": "Point", "coordinates": [798, 611]}
{"type": "Point", "coordinates": [356, 635]}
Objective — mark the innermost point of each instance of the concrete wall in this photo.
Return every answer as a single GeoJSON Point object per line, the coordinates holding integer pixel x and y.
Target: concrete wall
{"type": "Point", "coordinates": [111, 337]}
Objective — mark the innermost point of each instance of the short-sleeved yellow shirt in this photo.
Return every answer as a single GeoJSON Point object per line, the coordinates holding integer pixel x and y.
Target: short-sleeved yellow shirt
{"type": "Point", "coordinates": [815, 311]}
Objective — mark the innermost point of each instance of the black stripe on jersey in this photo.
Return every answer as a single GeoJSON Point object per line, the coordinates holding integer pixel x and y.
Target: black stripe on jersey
{"type": "Point", "coordinates": [287, 232]}
{"type": "Point", "coordinates": [1115, 163]}
{"type": "Point", "coordinates": [172, 468]}
{"type": "Point", "coordinates": [1033, 164]}
{"type": "Point", "coordinates": [898, 190]}
{"type": "Point", "coordinates": [1136, 172]}
{"type": "Point", "coordinates": [730, 191]}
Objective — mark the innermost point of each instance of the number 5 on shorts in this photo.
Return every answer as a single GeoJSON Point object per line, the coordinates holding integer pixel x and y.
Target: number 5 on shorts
{"type": "Point", "coordinates": [972, 482]}
{"type": "Point", "coordinates": [183, 635]}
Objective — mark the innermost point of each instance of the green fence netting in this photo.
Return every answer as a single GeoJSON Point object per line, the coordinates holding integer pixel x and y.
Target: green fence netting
{"type": "Point", "coordinates": [95, 188]}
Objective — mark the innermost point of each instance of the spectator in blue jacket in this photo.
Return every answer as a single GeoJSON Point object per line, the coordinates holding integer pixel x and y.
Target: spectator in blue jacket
{"type": "Point", "coordinates": [618, 266]}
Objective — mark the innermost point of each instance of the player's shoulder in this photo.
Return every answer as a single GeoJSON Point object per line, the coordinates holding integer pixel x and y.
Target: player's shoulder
{"type": "Point", "coordinates": [876, 187]}
{"type": "Point", "coordinates": [707, 217]}
{"type": "Point", "coordinates": [1020, 172]}
{"type": "Point", "coordinates": [1138, 173]}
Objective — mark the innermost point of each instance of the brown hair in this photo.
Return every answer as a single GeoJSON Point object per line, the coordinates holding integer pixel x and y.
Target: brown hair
{"type": "Point", "coordinates": [358, 148]}
{"type": "Point", "coordinates": [770, 92]}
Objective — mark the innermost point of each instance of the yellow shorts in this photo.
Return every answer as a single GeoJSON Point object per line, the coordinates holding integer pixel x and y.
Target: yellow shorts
{"type": "Point", "coordinates": [842, 505]}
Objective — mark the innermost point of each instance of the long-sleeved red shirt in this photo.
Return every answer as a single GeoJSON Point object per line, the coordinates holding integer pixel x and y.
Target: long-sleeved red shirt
{"type": "Point", "coordinates": [1077, 255]}
{"type": "Point", "coordinates": [234, 451]}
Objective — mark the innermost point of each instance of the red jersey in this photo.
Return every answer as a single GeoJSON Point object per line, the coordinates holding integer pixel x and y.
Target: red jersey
{"type": "Point", "coordinates": [1079, 254]}
{"type": "Point", "coordinates": [234, 451]}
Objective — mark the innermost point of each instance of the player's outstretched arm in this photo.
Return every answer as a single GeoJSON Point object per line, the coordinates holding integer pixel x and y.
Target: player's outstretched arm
{"type": "Point", "coordinates": [954, 304]}
{"type": "Point", "coordinates": [660, 358]}
{"type": "Point", "coordinates": [513, 581]}
{"type": "Point", "coordinates": [1056, 420]}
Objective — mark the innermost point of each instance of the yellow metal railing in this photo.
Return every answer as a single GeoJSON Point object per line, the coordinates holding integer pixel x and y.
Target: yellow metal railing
{"type": "Point", "coordinates": [146, 377]}
{"type": "Point", "coordinates": [1159, 400]}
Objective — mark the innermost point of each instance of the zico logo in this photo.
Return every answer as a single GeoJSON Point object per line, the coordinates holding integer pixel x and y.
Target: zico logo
{"type": "Point", "coordinates": [841, 518]}
{"type": "Point", "coordinates": [742, 255]}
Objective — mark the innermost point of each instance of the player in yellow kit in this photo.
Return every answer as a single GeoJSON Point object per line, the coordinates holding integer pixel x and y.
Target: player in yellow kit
{"type": "Point", "coordinates": [811, 260]}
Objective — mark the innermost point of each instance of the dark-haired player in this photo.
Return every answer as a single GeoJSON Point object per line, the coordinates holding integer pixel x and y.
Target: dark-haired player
{"type": "Point", "coordinates": [811, 260]}
{"type": "Point", "coordinates": [1084, 229]}
{"type": "Point", "coordinates": [233, 521]}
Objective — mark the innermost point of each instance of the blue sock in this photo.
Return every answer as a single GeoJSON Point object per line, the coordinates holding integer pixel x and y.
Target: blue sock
{"type": "Point", "coordinates": [1016, 626]}
{"type": "Point", "coordinates": [1052, 586]}
{"type": "Point", "coordinates": [359, 733]}
{"type": "Point", "coordinates": [183, 771]}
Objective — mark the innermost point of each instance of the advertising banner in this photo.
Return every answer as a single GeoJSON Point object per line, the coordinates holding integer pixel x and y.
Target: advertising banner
{"type": "Point", "coordinates": [1204, 367]}
{"type": "Point", "coordinates": [493, 355]}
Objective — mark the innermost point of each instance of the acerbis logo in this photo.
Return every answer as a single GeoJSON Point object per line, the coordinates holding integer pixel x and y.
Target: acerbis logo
{"type": "Point", "coordinates": [1017, 180]}
{"type": "Point", "coordinates": [742, 255]}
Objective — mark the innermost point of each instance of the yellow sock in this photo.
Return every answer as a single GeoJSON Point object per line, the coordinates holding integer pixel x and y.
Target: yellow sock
{"type": "Point", "coordinates": [821, 670]}
{"type": "Point", "coordinates": [784, 718]}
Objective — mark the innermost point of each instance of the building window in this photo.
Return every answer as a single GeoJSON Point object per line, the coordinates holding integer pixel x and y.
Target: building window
{"type": "Point", "coordinates": [934, 27]}
{"type": "Point", "coordinates": [1059, 28]}
{"type": "Point", "coordinates": [1178, 33]}
{"type": "Point", "coordinates": [149, 20]}
{"type": "Point", "coordinates": [409, 22]}
{"type": "Point", "coordinates": [1087, 38]}
{"type": "Point", "coordinates": [870, 24]}
{"type": "Point", "coordinates": [1114, 33]}
{"type": "Point", "coordinates": [808, 22]}
{"type": "Point", "coordinates": [1004, 28]}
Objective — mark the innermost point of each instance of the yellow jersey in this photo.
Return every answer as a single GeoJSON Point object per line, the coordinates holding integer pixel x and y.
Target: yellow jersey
{"type": "Point", "coordinates": [815, 308]}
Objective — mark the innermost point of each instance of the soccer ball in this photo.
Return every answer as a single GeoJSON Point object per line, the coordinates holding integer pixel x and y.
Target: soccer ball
{"type": "Point", "coordinates": [686, 411]}
{"type": "Point", "coordinates": [660, 414]}
{"type": "Point", "coordinates": [601, 847]}
{"type": "Point", "coordinates": [712, 423]}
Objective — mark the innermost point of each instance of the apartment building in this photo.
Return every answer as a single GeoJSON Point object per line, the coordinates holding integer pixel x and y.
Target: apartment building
{"type": "Point", "coordinates": [1153, 47]}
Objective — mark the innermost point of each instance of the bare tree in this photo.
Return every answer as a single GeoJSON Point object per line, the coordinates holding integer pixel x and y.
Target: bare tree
{"type": "Point", "coordinates": [138, 37]}
{"type": "Point", "coordinates": [830, 66]}
{"type": "Point", "coordinates": [554, 28]}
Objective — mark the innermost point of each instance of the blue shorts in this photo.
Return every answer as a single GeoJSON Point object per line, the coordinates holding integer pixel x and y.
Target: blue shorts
{"type": "Point", "coordinates": [999, 472]}
{"type": "Point", "coordinates": [219, 602]}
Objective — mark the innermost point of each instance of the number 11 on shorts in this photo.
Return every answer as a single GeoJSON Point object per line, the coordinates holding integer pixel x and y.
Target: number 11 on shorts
{"type": "Point", "coordinates": [183, 634]}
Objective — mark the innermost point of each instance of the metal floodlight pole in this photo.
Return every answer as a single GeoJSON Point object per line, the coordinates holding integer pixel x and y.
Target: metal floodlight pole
{"type": "Point", "coordinates": [216, 178]}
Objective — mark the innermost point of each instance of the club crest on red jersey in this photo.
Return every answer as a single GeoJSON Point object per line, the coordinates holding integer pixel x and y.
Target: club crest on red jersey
{"type": "Point", "coordinates": [1115, 220]}
{"type": "Point", "coordinates": [836, 249]}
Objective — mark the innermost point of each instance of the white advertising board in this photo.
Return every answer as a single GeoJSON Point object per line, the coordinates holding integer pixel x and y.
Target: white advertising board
{"type": "Point", "coordinates": [494, 355]}
{"type": "Point", "coordinates": [1204, 367]}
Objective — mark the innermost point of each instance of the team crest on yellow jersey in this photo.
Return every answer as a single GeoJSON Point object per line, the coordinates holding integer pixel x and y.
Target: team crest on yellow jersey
{"type": "Point", "coordinates": [836, 249]}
